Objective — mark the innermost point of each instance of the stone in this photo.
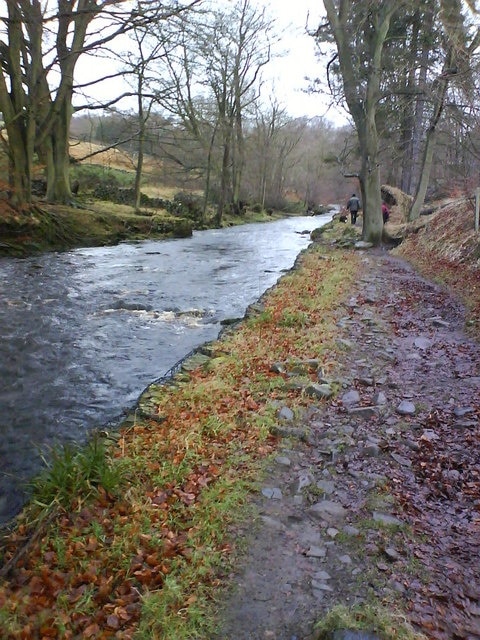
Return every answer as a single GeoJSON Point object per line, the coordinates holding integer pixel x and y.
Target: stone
{"type": "Point", "coordinates": [304, 480]}
{"type": "Point", "coordinates": [386, 519]}
{"type": "Point", "coordinates": [366, 382]}
{"type": "Point", "coordinates": [328, 510]}
{"type": "Point", "coordinates": [278, 367]}
{"type": "Point", "coordinates": [362, 244]}
{"type": "Point", "coordinates": [460, 412]}
{"type": "Point", "coordinates": [322, 576]}
{"type": "Point", "coordinates": [327, 486]}
{"type": "Point", "coordinates": [272, 493]}
{"type": "Point", "coordinates": [321, 586]}
{"type": "Point", "coordinates": [345, 634]}
{"type": "Point", "coordinates": [405, 462]}
{"type": "Point", "coordinates": [371, 451]}
{"type": "Point", "coordinates": [380, 399]}
{"type": "Point", "coordinates": [316, 552]}
{"type": "Point", "coordinates": [422, 343]}
{"type": "Point", "coordinates": [283, 461]}
{"type": "Point", "coordinates": [392, 554]}
{"type": "Point", "coordinates": [350, 530]}
{"type": "Point", "coordinates": [406, 408]}
{"type": "Point", "coordinates": [345, 559]}
{"type": "Point", "coordinates": [286, 414]}
{"type": "Point", "coordinates": [438, 322]}
{"type": "Point", "coordinates": [319, 390]}
{"type": "Point", "coordinates": [363, 412]}
{"type": "Point", "coordinates": [351, 397]}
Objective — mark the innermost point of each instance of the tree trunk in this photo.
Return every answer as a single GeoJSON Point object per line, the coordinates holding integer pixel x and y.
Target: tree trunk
{"type": "Point", "coordinates": [430, 139]}
{"type": "Point", "coordinates": [141, 145]}
{"type": "Point", "coordinates": [362, 97]}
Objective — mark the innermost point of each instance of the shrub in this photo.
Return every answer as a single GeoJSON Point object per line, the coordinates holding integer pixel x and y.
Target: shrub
{"type": "Point", "coordinates": [189, 205]}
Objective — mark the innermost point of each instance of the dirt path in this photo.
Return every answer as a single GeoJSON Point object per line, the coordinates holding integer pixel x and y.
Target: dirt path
{"type": "Point", "coordinates": [381, 502]}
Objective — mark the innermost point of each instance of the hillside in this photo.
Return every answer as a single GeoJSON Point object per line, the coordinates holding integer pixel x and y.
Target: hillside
{"type": "Point", "coordinates": [444, 247]}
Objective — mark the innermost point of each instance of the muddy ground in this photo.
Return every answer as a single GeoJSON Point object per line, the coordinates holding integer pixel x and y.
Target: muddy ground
{"type": "Point", "coordinates": [378, 498]}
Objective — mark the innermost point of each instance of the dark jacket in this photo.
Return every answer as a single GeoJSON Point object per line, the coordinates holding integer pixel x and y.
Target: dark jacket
{"type": "Point", "coordinates": [353, 204]}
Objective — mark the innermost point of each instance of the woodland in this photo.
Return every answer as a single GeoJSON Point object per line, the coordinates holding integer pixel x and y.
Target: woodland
{"type": "Point", "coordinates": [405, 72]}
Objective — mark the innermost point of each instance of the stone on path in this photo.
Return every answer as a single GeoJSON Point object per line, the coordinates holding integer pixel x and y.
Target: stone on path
{"type": "Point", "coordinates": [272, 493]}
{"type": "Point", "coordinates": [422, 343]}
{"type": "Point", "coordinates": [406, 408]}
{"type": "Point", "coordinates": [350, 398]}
{"type": "Point", "coordinates": [387, 519]}
{"type": "Point", "coordinates": [328, 510]}
{"type": "Point", "coordinates": [319, 390]}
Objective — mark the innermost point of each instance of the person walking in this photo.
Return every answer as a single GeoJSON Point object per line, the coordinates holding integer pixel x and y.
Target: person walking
{"type": "Point", "coordinates": [353, 205]}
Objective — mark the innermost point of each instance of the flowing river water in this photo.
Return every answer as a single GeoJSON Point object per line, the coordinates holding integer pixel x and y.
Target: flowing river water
{"type": "Point", "coordinates": [85, 331]}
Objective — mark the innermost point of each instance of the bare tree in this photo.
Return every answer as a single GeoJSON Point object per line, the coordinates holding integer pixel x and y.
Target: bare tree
{"type": "Point", "coordinates": [39, 51]}
{"type": "Point", "coordinates": [215, 72]}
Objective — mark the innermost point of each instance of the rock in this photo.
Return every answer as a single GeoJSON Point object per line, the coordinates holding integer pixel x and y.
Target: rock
{"type": "Point", "coordinates": [286, 414]}
{"type": "Point", "coordinates": [363, 412]}
{"type": "Point", "coordinates": [321, 586]}
{"type": "Point", "coordinates": [345, 559]}
{"type": "Point", "coordinates": [322, 576]}
{"type": "Point", "coordinates": [272, 523]}
{"type": "Point", "coordinates": [327, 486]}
{"type": "Point", "coordinates": [272, 493]}
{"type": "Point", "coordinates": [350, 398]}
{"type": "Point", "coordinates": [438, 322]}
{"type": "Point", "coordinates": [283, 461]}
{"type": "Point", "coordinates": [371, 451]}
{"type": "Point", "coordinates": [406, 408]}
{"type": "Point", "coordinates": [319, 390]}
{"type": "Point", "coordinates": [328, 510]}
{"type": "Point", "coordinates": [459, 412]}
{"type": "Point", "coordinates": [366, 382]}
{"type": "Point", "coordinates": [422, 343]}
{"type": "Point", "coordinates": [391, 554]}
{"type": "Point", "coordinates": [362, 244]}
{"type": "Point", "coordinates": [404, 462]}
{"type": "Point", "coordinates": [301, 433]}
{"type": "Point", "coordinates": [316, 552]}
{"type": "Point", "coordinates": [304, 480]}
{"type": "Point", "coordinates": [278, 367]}
{"type": "Point", "coordinates": [380, 399]}
{"type": "Point", "coordinates": [350, 530]}
{"type": "Point", "coordinates": [386, 519]}
{"type": "Point", "coordinates": [344, 634]}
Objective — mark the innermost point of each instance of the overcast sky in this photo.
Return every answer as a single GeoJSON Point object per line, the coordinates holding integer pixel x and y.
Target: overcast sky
{"type": "Point", "coordinates": [289, 71]}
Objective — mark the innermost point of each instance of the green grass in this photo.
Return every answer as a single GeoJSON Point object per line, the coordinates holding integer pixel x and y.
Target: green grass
{"type": "Point", "coordinates": [73, 470]}
{"type": "Point", "coordinates": [385, 623]}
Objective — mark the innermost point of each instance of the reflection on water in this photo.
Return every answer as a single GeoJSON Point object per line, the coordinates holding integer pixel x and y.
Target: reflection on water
{"type": "Point", "coordinates": [84, 332]}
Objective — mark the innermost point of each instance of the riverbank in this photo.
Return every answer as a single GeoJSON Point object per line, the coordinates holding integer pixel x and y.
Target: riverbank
{"type": "Point", "coordinates": [94, 223]}
{"type": "Point", "coordinates": [306, 407]}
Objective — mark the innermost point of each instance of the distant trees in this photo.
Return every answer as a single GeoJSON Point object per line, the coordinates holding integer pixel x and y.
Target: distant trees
{"type": "Point", "coordinates": [208, 82]}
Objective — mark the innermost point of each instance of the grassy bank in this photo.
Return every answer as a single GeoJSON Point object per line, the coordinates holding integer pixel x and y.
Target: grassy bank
{"type": "Point", "coordinates": [137, 544]}
{"type": "Point", "coordinates": [98, 223]}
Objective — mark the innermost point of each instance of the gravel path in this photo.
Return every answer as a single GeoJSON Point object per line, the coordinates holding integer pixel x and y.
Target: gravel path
{"type": "Point", "coordinates": [381, 501]}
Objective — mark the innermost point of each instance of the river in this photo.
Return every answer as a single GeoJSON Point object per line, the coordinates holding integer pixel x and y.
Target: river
{"type": "Point", "coordinates": [85, 331]}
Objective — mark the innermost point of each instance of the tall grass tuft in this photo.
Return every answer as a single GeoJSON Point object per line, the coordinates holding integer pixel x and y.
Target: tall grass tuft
{"type": "Point", "coordinates": [74, 471]}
